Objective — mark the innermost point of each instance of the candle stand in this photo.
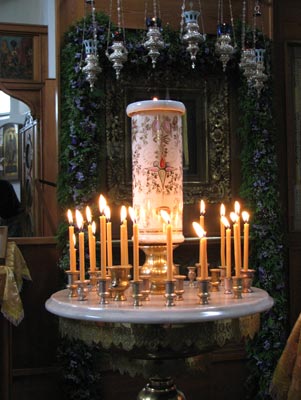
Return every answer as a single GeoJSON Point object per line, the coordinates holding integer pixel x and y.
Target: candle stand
{"type": "Point", "coordinates": [215, 279]}
{"type": "Point", "coordinates": [179, 286]}
{"type": "Point", "coordinates": [72, 286]}
{"type": "Point", "coordinates": [156, 340]}
{"type": "Point", "coordinates": [203, 291]}
{"type": "Point", "coordinates": [191, 275]}
{"type": "Point", "coordinates": [103, 290]}
{"type": "Point", "coordinates": [136, 292]}
{"type": "Point", "coordinates": [228, 284]}
{"type": "Point", "coordinates": [237, 287]}
{"type": "Point", "coordinates": [93, 275]}
{"type": "Point", "coordinates": [170, 293]}
{"type": "Point", "coordinates": [120, 281]}
{"type": "Point", "coordinates": [82, 289]}
{"type": "Point", "coordinates": [247, 279]}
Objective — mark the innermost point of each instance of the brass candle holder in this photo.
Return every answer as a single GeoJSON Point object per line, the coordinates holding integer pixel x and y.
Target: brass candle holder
{"type": "Point", "coordinates": [247, 280]}
{"type": "Point", "coordinates": [203, 292]}
{"type": "Point", "coordinates": [191, 275]}
{"type": "Point", "coordinates": [170, 293]}
{"type": "Point", "coordinates": [222, 275]}
{"type": "Point", "coordinates": [120, 281]}
{"type": "Point", "coordinates": [93, 275]}
{"type": "Point", "coordinates": [145, 291]}
{"type": "Point", "coordinates": [82, 289]}
{"type": "Point", "coordinates": [136, 293]}
{"type": "Point", "coordinates": [237, 287]}
{"type": "Point", "coordinates": [179, 286]}
{"type": "Point", "coordinates": [72, 285]}
{"type": "Point", "coordinates": [215, 279]}
{"type": "Point", "coordinates": [103, 290]}
{"type": "Point", "coordinates": [228, 285]}
{"type": "Point", "coordinates": [155, 266]}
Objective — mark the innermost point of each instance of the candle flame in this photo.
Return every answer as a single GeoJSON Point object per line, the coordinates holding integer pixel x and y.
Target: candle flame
{"type": "Point", "coordinates": [198, 229]}
{"type": "Point", "coordinates": [102, 204]}
{"type": "Point", "coordinates": [132, 214]}
{"type": "Point", "coordinates": [155, 98]}
{"type": "Point", "coordinates": [233, 217]}
{"type": "Point", "coordinates": [245, 216]}
{"type": "Point", "coordinates": [225, 221]}
{"type": "Point", "coordinates": [93, 227]}
{"type": "Point", "coordinates": [88, 214]}
{"type": "Point", "coordinates": [222, 210]}
{"type": "Point", "coordinates": [166, 217]}
{"type": "Point", "coordinates": [202, 207]}
{"type": "Point", "coordinates": [123, 213]}
{"type": "Point", "coordinates": [237, 207]}
{"type": "Point", "coordinates": [107, 212]}
{"type": "Point", "coordinates": [79, 219]}
{"type": "Point", "coordinates": [70, 217]}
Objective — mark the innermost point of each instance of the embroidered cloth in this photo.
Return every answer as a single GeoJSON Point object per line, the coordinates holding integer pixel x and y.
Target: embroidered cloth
{"type": "Point", "coordinates": [11, 280]}
{"type": "Point", "coordinates": [286, 382]}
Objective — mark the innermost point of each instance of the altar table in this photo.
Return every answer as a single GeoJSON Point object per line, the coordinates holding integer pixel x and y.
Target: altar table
{"type": "Point", "coordinates": [157, 332]}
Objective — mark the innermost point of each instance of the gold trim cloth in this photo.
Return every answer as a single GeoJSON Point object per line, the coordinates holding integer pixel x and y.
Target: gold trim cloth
{"type": "Point", "coordinates": [11, 281]}
{"type": "Point", "coordinates": [286, 382]}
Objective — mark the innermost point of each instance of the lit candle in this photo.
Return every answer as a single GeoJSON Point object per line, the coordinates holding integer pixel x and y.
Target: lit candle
{"type": "Point", "coordinates": [222, 232]}
{"type": "Point", "coordinates": [109, 236]}
{"type": "Point", "coordinates": [202, 214]}
{"type": "Point", "coordinates": [72, 256]}
{"type": "Point", "coordinates": [93, 248]}
{"type": "Point", "coordinates": [90, 236]}
{"type": "Point", "coordinates": [169, 255]}
{"type": "Point", "coordinates": [228, 246]}
{"type": "Point", "coordinates": [103, 242]}
{"type": "Point", "coordinates": [135, 244]}
{"type": "Point", "coordinates": [237, 212]}
{"type": "Point", "coordinates": [245, 217]}
{"type": "Point", "coordinates": [203, 249]}
{"type": "Point", "coordinates": [234, 217]}
{"type": "Point", "coordinates": [81, 244]}
{"type": "Point", "coordinates": [123, 237]}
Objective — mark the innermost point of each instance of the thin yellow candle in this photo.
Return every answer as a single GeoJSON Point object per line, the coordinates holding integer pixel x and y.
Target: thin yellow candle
{"type": "Point", "coordinates": [233, 217]}
{"type": "Point", "coordinates": [228, 246]}
{"type": "Point", "coordinates": [123, 241]}
{"type": "Point", "coordinates": [222, 232]}
{"type": "Point", "coordinates": [245, 217]}
{"type": "Point", "coordinates": [202, 214]}
{"type": "Point", "coordinates": [81, 244]}
{"type": "Point", "coordinates": [169, 255]}
{"type": "Point", "coordinates": [72, 258]}
{"type": "Point", "coordinates": [93, 248]}
{"type": "Point", "coordinates": [109, 236]}
{"type": "Point", "coordinates": [90, 236]}
{"type": "Point", "coordinates": [135, 244]}
{"type": "Point", "coordinates": [103, 242]}
{"type": "Point", "coordinates": [237, 212]}
{"type": "Point", "coordinates": [203, 250]}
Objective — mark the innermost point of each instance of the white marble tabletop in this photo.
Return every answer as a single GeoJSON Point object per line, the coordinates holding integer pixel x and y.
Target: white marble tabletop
{"type": "Point", "coordinates": [221, 306]}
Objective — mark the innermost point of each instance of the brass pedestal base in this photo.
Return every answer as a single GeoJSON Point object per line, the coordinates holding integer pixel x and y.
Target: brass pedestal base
{"type": "Point", "coordinates": [160, 389]}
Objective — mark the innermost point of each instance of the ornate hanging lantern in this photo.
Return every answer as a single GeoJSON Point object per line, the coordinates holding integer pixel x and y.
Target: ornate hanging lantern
{"type": "Point", "coordinates": [260, 76]}
{"type": "Point", "coordinates": [223, 46]}
{"type": "Point", "coordinates": [91, 68]}
{"type": "Point", "coordinates": [248, 64]}
{"type": "Point", "coordinates": [192, 37]}
{"type": "Point", "coordinates": [117, 52]}
{"type": "Point", "coordinates": [154, 42]}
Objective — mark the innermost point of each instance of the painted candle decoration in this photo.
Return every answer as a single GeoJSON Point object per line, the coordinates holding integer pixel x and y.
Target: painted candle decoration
{"type": "Point", "coordinates": [157, 167]}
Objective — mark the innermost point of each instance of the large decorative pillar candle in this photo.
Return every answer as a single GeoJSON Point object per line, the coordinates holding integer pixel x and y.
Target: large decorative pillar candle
{"type": "Point", "coordinates": [157, 153]}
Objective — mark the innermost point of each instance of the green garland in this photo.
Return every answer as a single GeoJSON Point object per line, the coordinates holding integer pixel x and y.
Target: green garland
{"type": "Point", "coordinates": [82, 160]}
{"type": "Point", "coordinates": [260, 190]}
